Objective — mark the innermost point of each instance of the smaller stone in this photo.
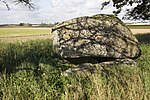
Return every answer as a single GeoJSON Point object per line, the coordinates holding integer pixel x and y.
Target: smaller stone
{"type": "Point", "coordinates": [92, 68]}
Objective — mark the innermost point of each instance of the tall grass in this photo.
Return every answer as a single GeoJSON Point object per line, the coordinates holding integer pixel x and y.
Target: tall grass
{"type": "Point", "coordinates": [35, 52]}
{"type": "Point", "coordinates": [32, 71]}
{"type": "Point", "coordinates": [109, 84]}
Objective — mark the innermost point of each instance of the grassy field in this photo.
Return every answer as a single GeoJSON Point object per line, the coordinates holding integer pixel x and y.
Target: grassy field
{"type": "Point", "coordinates": [6, 32]}
{"type": "Point", "coordinates": [23, 31]}
{"type": "Point", "coordinates": [139, 26]}
{"type": "Point", "coordinates": [32, 71]}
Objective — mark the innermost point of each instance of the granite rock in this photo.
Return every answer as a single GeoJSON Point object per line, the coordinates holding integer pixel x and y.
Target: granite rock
{"type": "Point", "coordinates": [102, 36]}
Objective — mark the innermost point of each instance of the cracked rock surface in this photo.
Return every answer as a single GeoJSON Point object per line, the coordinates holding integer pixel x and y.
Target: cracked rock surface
{"type": "Point", "coordinates": [94, 42]}
{"type": "Point", "coordinates": [96, 36]}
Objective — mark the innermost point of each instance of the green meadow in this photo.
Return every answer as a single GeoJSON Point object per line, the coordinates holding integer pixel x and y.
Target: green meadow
{"type": "Point", "coordinates": [139, 26]}
{"type": "Point", "coordinates": [23, 31]}
{"type": "Point", "coordinates": [32, 71]}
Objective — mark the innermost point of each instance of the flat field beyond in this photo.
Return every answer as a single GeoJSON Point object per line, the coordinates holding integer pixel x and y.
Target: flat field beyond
{"type": "Point", "coordinates": [23, 34]}
{"type": "Point", "coordinates": [140, 31]}
{"type": "Point", "coordinates": [4, 32]}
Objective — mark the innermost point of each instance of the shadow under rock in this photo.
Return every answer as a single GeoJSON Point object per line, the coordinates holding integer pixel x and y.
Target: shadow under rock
{"type": "Point", "coordinates": [143, 38]}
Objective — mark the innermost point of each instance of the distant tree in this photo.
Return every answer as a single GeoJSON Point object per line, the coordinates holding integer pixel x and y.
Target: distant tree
{"type": "Point", "coordinates": [24, 24]}
{"type": "Point", "coordinates": [140, 11]}
{"type": "Point", "coordinates": [21, 24]}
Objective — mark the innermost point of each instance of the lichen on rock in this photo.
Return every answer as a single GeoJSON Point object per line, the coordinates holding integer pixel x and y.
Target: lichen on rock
{"type": "Point", "coordinates": [96, 36]}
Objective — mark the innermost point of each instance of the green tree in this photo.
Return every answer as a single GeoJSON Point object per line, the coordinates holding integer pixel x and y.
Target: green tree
{"type": "Point", "coordinates": [140, 11]}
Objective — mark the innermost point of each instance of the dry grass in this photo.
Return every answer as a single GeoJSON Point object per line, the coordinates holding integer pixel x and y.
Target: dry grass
{"type": "Point", "coordinates": [140, 31]}
{"type": "Point", "coordinates": [24, 34]}
{"type": "Point", "coordinates": [31, 71]}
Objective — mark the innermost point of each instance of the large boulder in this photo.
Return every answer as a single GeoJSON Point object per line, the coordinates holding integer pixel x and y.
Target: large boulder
{"type": "Point", "coordinates": [100, 36]}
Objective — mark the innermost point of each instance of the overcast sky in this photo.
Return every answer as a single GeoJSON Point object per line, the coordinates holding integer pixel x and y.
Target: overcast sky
{"type": "Point", "coordinates": [50, 11]}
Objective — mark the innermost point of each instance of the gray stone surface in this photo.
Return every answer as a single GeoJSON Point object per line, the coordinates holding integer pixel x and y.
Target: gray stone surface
{"type": "Point", "coordinates": [96, 36]}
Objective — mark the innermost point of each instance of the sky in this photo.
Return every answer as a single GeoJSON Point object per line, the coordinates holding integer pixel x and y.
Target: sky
{"type": "Point", "coordinates": [51, 11]}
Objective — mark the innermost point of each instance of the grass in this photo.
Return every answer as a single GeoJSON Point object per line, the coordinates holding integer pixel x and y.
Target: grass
{"type": "Point", "coordinates": [23, 31]}
{"type": "Point", "coordinates": [139, 26]}
{"type": "Point", "coordinates": [32, 71]}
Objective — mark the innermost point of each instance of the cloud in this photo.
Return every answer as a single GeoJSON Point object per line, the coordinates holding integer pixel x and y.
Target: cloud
{"type": "Point", "coordinates": [67, 9]}
{"type": "Point", "coordinates": [51, 11]}
{"type": "Point", "coordinates": [18, 13]}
